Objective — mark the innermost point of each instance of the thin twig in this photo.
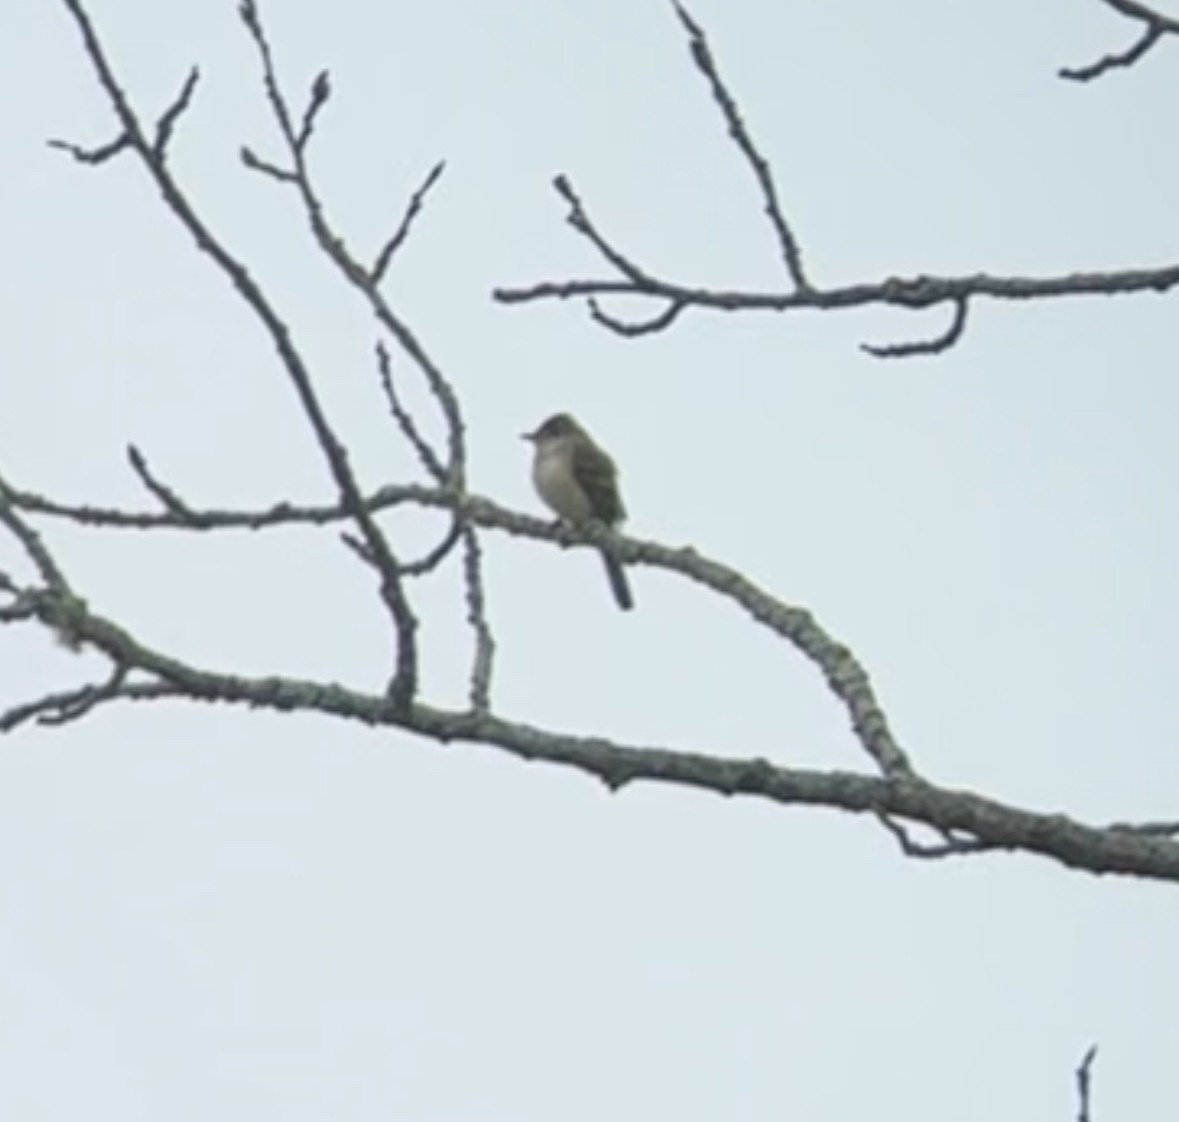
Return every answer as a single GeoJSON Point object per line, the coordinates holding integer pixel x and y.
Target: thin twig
{"type": "Point", "coordinates": [632, 329]}
{"type": "Point", "coordinates": [321, 91]}
{"type": "Point", "coordinates": [932, 346]}
{"type": "Point", "coordinates": [398, 238]}
{"type": "Point", "coordinates": [96, 155]}
{"type": "Point", "coordinates": [703, 57]}
{"type": "Point", "coordinates": [167, 497]}
{"type": "Point", "coordinates": [171, 115]}
{"type": "Point", "coordinates": [46, 710]}
{"type": "Point", "coordinates": [1084, 1079]}
{"type": "Point", "coordinates": [578, 217]}
{"type": "Point", "coordinates": [405, 421]}
{"type": "Point", "coordinates": [1155, 26]}
{"type": "Point", "coordinates": [30, 540]}
{"type": "Point", "coordinates": [950, 846]}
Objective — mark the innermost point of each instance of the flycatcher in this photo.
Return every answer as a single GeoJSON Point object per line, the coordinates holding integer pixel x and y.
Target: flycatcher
{"type": "Point", "coordinates": [579, 483]}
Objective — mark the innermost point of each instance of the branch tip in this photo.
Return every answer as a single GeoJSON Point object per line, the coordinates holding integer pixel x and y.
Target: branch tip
{"type": "Point", "coordinates": [934, 346]}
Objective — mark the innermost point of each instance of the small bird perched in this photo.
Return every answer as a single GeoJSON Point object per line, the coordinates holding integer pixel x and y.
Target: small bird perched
{"type": "Point", "coordinates": [579, 483]}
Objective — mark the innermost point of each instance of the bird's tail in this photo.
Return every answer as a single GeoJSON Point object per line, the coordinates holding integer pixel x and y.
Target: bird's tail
{"type": "Point", "coordinates": [618, 582]}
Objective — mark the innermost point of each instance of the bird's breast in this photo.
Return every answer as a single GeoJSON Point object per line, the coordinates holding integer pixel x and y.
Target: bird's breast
{"type": "Point", "coordinates": [552, 472]}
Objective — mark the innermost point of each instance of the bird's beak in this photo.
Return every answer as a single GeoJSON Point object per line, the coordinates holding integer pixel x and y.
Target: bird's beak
{"type": "Point", "coordinates": [529, 436]}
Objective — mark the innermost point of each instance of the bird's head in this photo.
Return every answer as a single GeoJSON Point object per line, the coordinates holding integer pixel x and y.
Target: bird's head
{"type": "Point", "coordinates": [557, 426]}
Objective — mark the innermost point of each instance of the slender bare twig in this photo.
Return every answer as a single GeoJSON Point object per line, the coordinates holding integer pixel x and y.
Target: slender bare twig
{"type": "Point", "coordinates": [399, 236]}
{"type": "Point", "coordinates": [633, 328]}
{"type": "Point", "coordinates": [30, 540]}
{"type": "Point", "coordinates": [166, 495]}
{"type": "Point", "coordinates": [172, 114]}
{"type": "Point", "coordinates": [933, 346]}
{"type": "Point", "coordinates": [74, 706]}
{"type": "Point", "coordinates": [255, 163]}
{"type": "Point", "coordinates": [1155, 26]}
{"type": "Point", "coordinates": [98, 154]}
{"type": "Point", "coordinates": [703, 57]}
{"type": "Point", "coordinates": [405, 421]}
{"type": "Point", "coordinates": [578, 218]}
{"type": "Point", "coordinates": [439, 472]}
{"type": "Point", "coordinates": [950, 846]}
{"type": "Point", "coordinates": [1084, 1080]}
{"type": "Point", "coordinates": [416, 567]}
{"type": "Point", "coordinates": [321, 90]}
{"type": "Point", "coordinates": [45, 709]}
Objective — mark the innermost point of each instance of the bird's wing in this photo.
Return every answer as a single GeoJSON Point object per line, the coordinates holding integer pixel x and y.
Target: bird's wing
{"type": "Point", "coordinates": [598, 478]}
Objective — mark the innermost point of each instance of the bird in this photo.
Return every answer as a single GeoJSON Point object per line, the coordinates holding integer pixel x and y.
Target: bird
{"type": "Point", "coordinates": [578, 482]}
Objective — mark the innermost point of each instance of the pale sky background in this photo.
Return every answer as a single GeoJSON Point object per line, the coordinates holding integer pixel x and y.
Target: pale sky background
{"type": "Point", "coordinates": [215, 914]}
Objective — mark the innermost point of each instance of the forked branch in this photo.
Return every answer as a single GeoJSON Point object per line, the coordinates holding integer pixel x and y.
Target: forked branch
{"type": "Point", "coordinates": [627, 278]}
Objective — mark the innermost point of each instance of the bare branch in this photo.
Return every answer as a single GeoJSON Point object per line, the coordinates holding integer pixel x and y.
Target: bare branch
{"type": "Point", "coordinates": [1084, 1077]}
{"type": "Point", "coordinates": [353, 272]}
{"type": "Point", "coordinates": [898, 797]}
{"type": "Point", "coordinates": [45, 709]}
{"type": "Point", "coordinates": [416, 202]}
{"type": "Point", "coordinates": [844, 675]}
{"type": "Point", "coordinates": [1114, 61]}
{"type": "Point", "coordinates": [951, 812]}
{"type": "Point", "coordinates": [36, 550]}
{"type": "Point", "coordinates": [650, 326]}
{"type": "Point", "coordinates": [934, 346]}
{"type": "Point", "coordinates": [950, 846]}
{"type": "Point", "coordinates": [580, 220]}
{"type": "Point", "coordinates": [1155, 26]}
{"type": "Point", "coordinates": [23, 606]}
{"type": "Point", "coordinates": [255, 163]}
{"type": "Point", "coordinates": [901, 292]}
{"type": "Point", "coordinates": [73, 707]}
{"type": "Point", "coordinates": [367, 283]}
{"type": "Point", "coordinates": [703, 57]}
{"type": "Point", "coordinates": [97, 155]}
{"type": "Point", "coordinates": [918, 292]}
{"type": "Point", "coordinates": [409, 427]}
{"type": "Point", "coordinates": [414, 568]}
{"type": "Point", "coordinates": [168, 498]}
{"type": "Point", "coordinates": [172, 114]}
{"type": "Point", "coordinates": [404, 683]}
{"type": "Point", "coordinates": [281, 513]}
{"type": "Point", "coordinates": [321, 91]}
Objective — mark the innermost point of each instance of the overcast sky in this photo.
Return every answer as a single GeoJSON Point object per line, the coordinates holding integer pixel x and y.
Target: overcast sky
{"type": "Point", "coordinates": [208, 913]}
